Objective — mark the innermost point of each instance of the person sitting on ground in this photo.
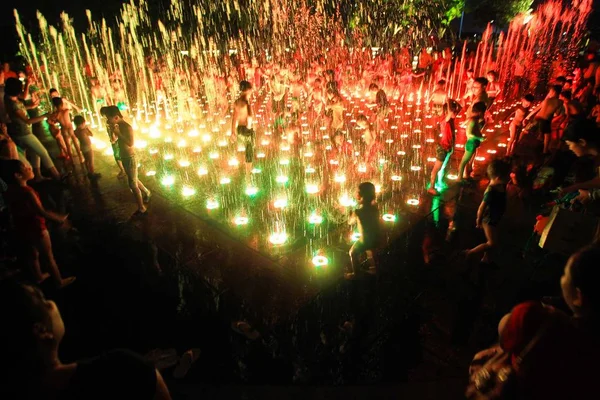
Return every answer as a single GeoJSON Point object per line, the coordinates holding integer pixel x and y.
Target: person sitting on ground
{"type": "Point", "coordinates": [29, 217]}
{"type": "Point", "coordinates": [83, 134]}
{"type": "Point", "coordinates": [367, 219]}
{"type": "Point", "coordinates": [474, 139]}
{"type": "Point", "coordinates": [492, 208]}
{"type": "Point", "coordinates": [535, 336]}
{"type": "Point", "coordinates": [32, 332]}
{"type": "Point", "coordinates": [445, 146]}
{"type": "Point", "coordinates": [123, 135]}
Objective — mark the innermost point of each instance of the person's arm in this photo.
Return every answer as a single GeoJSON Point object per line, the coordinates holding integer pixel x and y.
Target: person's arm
{"type": "Point", "coordinates": [20, 114]}
{"type": "Point", "coordinates": [39, 208]}
{"type": "Point", "coordinates": [234, 120]}
{"type": "Point", "coordinates": [587, 185]}
{"type": "Point", "coordinates": [72, 105]}
{"type": "Point", "coordinates": [535, 110]}
{"type": "Point", "coordinates": [480, 212]}
{"type": "Point", "coordinates": [127, 136]}
{"type": "Point", "coordinates": [162, 392]}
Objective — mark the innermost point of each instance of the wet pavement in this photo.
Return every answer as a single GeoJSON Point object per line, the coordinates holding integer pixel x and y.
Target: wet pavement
{"type": "Point", "coordinates": [175, 280]}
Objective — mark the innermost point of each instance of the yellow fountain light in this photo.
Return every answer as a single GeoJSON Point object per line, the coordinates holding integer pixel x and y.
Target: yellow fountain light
{"type": "Point", "coordinates": [315, 219]}
{"type": "Point", "coordinates": [213, 155]}
{"type": "Point", "coordinates": [320, 261]}
{"type": "Point", "coordinates": [340, 178]}
{"type": "Point", "coordinates": [309, 170]}
{"type": "Point", "coordinates": [281, 179]}
{"type": "Point", "coordinates": [206, 138]}
{"type": "Point", "coordinates": [167, 180]}
{"type": "Point", "coordinates": [181, 143]}
{"type": "Point", "coordinates": [168, 156]}
{"type": "Point", "coordinates": [251, 191]}
{"type": "Point", "coordinates": [240, 220]}
{"type": "Point", "coordinates": [197, 149]}
{"type": "Point", "coordinates": [202, 171]}
{"type": "Point", "coordinates": [193, 133]}
{"type": "Point", "coordinates": [452, 177]}
{"type": "Point", "coordinates": [153, 151]}
{"type": "Point", "coordinates": [256, 171]}
{"type": "Point", "coordinates": [140, 144]}
{"type": "Point", "coordinates": [280, 203]}
{"type": "Point", "coordinates": [354, 236]}
{"type": "Point", "coordinates": [168, 139]}
{"type": "Point", "coordinates": [389, 217]}
{"type": "Point", "coordinates": [278, 238]}
{"type": "Point", "coordinates": [312, 188]}
{"type": "Point", "coordinates": [212, 204]}
{"type": "Point", "coordinates": [154, 132]}
{"type": "Point", "coordinates": [184, 163]}
{"type": "Point", "coordinates": [413, 202]}
{"type": "Point", "coordinates": [415, 168]}
{"type": "Point", "coordinates": [347, 201]}
{"type": "Point", "coordinates": [261, 155]}
{"type": "Point", "coordinates": [150, 173]}
{"type": "Point", "coordinates": [233, 162]}
{"type": "Point", "coordinates": [188, 191]}
{"type": "Point", "coordinates": [225, 181]}
{"type": "Point", "coordinates": [396, 178]}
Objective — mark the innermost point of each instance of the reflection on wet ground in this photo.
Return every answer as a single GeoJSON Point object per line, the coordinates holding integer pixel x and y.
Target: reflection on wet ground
{"type": "Point", "coordinates": [172, 280]}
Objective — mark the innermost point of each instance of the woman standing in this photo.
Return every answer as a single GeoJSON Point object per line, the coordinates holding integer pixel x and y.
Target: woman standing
{"type": "Point", "coordinates": [19, 129]}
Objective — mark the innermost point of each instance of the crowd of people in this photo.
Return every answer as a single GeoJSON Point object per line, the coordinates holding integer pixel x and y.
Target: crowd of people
{"type": "Point", "coordinates": [559, 136]}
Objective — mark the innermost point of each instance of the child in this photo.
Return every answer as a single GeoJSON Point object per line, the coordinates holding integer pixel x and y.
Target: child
{"type": "Point", "coordinates": [380, 104]}
{"type": "Point", "coordinates": [241, 125]}
{"type": "Point", "coordinates": [113, 143]}
{"type": "Point", "coordinates": [334, 109]}
{"type": "Point", "coordinates": [373, 147]}
{"type": "Point", "coordinates": [517, 122]}
{"type": "Point", "coordinates": [62, 115]}
{"type": "Point", "coordinates": [367, 219]}
{"type": "Point", "coordinates": [545, 113]}
{"type": "Point", "coordinates": [83, 134]}
{"type": "Point", "coordinates": [493, 87]}
{"type": "Point", "coordinates": [474, 139]}
{"type": "Point", "coordinates": [438, 97]}
{"type": "Point", "coordinates": [445, 146]}
{"type": "Point", "coordinates": [492, 207]}
{"type": "Point", "coordinates": [29, 218]}
{"type": "Point", "coordinates": [124, 137]}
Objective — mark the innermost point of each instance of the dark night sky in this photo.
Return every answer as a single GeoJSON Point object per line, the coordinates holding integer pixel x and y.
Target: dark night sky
{"type": "Point", "coordinates": [108, 8]}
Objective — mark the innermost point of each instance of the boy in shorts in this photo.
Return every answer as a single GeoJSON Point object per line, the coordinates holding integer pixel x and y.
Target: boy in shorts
{"type": "Point", "coordinates": [241, 124]}
{"type": "Point", "coordinates": [83, 134]}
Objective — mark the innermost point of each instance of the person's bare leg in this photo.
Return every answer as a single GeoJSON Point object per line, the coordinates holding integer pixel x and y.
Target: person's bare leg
{"type": "Point", "coordinates": [89, 162]}
{"type": "Point", "coordinates": [512, 130]}
{"type": "Point", "coordinates": [434, 172]}
{"type": "Point", "coordinates": [34, 265]}
{"type": "Point", "coordinates": [463, 164]}
{"type": "Point", "coordinates": [61, 144]}
{"type": "Point", "coordinates": [490, 235]}
{"type": "Point", "coordinates": [121, 168]}
{"type": "Point", "coordinates": [546, 143]}
{"type": "Point", "coordinates": [143, 189]}
{"type": "Point", "coordinates": [45, 249]}
{"type": "Point", "coordinates": [137, 194]}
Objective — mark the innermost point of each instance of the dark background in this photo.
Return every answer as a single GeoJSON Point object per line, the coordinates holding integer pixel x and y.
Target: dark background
{"type": "Point", "coordinates": [110, 8]}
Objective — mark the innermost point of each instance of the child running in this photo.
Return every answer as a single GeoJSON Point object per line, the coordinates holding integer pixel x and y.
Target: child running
{"type": "Point", "coordinates": [367, 219]}
{"type": "Point", "coordinates": [83, 134]}
{"type": "Point", "coordinates": [492, 208]}
{"type": "Point", "coordinates": [29, 218]}
{"type": "Point", "coordinates": [445, 146]}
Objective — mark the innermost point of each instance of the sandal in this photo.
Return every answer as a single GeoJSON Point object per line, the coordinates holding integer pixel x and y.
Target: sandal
{"type": "Point", "coordinates": [243, 328]}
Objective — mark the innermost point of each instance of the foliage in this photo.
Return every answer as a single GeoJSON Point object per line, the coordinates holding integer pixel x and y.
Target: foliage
{"type": "Point", "coordinates": [501, 12]}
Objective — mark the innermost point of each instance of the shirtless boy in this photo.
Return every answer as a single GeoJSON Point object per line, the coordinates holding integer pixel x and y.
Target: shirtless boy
{"type": "Point", "coordinates": [241, 124]}
{"type": "Point", "coordinates": [544, 113]}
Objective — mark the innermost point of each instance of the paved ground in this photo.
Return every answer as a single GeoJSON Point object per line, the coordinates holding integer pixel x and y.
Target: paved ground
{"type": "Point", "coordinates": [174, 281]}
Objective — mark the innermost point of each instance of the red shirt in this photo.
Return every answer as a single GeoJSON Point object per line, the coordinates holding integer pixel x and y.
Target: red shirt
{"type": "Point", "coordinates": [448, 134]}
{"type": "Point", "coordinates": [29, 225]}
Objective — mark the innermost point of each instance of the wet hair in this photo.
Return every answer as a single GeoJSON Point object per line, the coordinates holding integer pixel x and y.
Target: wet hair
{"type": "Point", "coordinates": [470, 70]}
{"type": "Point", "coordinates": [451, 105]}
{"type": "Point", "coordinates": [482, 81]}
{"type": "Point", "coordinates": [366, 190]}
{"type": "Point", "coordinates": [493, 73]}
{"type": "Point", "coordinates": [441, 82]}
{"type": "Point", "coordinates": [499, 169]}
{"type": "Point", "coordinates": [330, 73]}
{"type": "Point", "coordinates": [561, 79]}
{"type": "Point", "coordinates": [373, 86]}
{"type": "Point", "coordinates": [245, 85]}
{"type": "Point", "coordinates": [13, 87]}
{"type": "Point", "coordinates": [566, 94]}
{"type": "Point", "coordinates": [57, 101]}
{"type": "Point", "coordinates": [362, 118]}
{"type": "Point", "coordinates": [585, 275]}
{"type": "Point", "coordinates": [21, 307]}
{"type": "Point", "coordinates": [9, 169]}
{"type": "Point", "coordinates": [52, 91]}
{"type": "Point", "coordinates": [557, 89]}
{"type": "Point", "coordinates": [112, 111]}
{"type": "Point", "coordinates": [103, 111]}
{"type": "Point", "coordinates": [78, 120]}
{"type": "Point", "coordinates": [529, 97]}
{"type": "Point", "coordinates": [333, 91]}
{"type": "Point", "coordinates": [479, 107]}
{"type": "Point", "coordinates": [336, 134]}
{"type": "Point", "coordinates": [318, 80]}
